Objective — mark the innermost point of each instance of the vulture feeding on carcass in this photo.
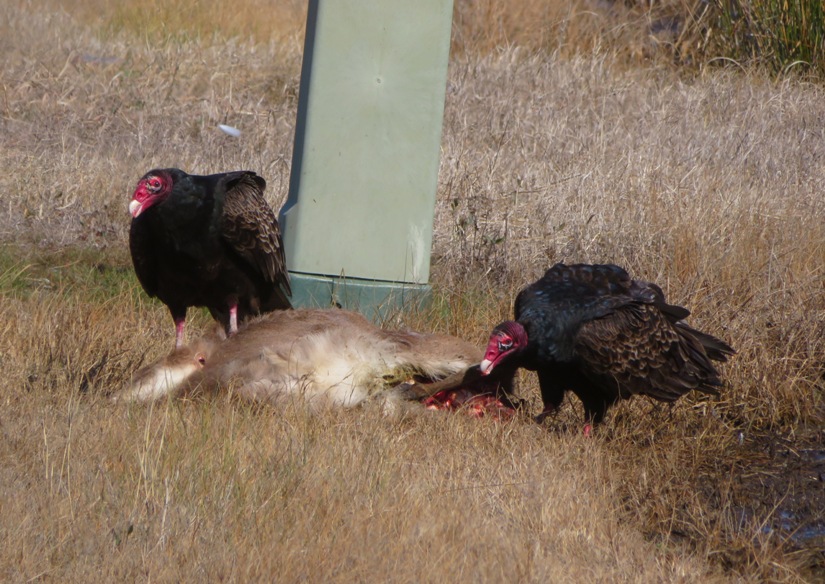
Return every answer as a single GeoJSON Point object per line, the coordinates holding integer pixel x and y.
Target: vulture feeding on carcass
{"type": "Point", "coordinates": [327, 357]}
{"type": "Point", "coordinates": [208, 241]}
{"type": "Point", "coordinates": [593, 330]}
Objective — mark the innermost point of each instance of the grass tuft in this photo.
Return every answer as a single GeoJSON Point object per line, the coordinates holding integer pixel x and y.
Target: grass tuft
{"type": "Point", "coordinates": [778, 34]}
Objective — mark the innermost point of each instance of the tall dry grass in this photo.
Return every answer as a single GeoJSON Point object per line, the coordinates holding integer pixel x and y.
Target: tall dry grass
{"type": "Point", "coordinates": [710, 185]}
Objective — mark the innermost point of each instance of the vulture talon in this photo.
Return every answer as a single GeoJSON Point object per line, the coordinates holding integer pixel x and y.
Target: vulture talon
{"type": "Point", "coordinates": [547, 412]}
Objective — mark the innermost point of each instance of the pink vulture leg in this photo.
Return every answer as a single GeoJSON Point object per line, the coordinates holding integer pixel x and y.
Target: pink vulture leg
{"type": "Point", "coordinates": [233, 318]}
{"type": "Point", "coordinates": [179, 323]}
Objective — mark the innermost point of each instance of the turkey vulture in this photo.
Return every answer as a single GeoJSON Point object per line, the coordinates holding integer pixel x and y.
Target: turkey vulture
{"type": "Point", "coordinates": [593, 330]}
{"type": "Point", "coordinates": [208, 241]}
{"type": "Point", "coordinates": [326, 356]}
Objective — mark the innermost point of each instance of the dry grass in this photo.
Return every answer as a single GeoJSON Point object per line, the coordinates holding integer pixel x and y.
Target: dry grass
{"type": "Point", "coordinates": [711, 186]}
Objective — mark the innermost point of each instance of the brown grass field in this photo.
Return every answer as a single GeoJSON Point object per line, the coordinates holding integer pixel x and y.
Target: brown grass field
{"type": "Point", "coordinates": [710, 182]}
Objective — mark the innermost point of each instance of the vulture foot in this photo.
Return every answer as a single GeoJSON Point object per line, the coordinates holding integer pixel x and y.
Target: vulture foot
{"type": "Point", "coordinates": [546, 412]}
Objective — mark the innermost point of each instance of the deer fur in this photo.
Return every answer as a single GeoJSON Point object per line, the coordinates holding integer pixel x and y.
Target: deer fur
{"type": "Point", "coordinates": [328, 357]}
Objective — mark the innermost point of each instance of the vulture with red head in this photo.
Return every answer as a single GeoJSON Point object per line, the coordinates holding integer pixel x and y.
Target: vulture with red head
{"type": "Point", "coordinates": [593, 330]}
{"type": "Point", "coordinates": [208, 241]}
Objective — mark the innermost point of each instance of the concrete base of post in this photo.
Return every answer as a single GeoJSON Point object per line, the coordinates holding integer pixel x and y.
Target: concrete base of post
{"type": "Point", "coordinates": [378, 300]}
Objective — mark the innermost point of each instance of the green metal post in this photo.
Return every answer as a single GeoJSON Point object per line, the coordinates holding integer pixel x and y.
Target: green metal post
{"type": "Point", "coordinates": [357, 223]}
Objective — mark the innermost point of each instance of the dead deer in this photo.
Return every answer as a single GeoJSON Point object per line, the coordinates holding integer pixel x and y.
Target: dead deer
{"type": "Point", "coordinates": [328, 357]}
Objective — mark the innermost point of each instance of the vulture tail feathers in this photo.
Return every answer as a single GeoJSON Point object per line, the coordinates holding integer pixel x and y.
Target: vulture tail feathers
{"type": "Point", "coordinates": [716, 349]}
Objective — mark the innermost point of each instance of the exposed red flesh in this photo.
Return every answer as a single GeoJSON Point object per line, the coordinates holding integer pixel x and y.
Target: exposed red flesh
{"type": "Point", "coordinates": [473, 404]}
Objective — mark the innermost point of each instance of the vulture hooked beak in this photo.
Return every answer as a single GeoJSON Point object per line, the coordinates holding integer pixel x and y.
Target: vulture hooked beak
{"type": "Point", "coordinates": [135, 208]}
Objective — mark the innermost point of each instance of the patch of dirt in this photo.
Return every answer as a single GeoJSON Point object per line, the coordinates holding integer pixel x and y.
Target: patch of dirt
{"type": "Point", "coordinates": [788, 474]}
{"type": "Point", "coordinates": [779, 482]}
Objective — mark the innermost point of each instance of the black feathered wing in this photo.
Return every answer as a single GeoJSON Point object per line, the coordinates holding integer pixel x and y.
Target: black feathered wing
{"type": "Point", "coordinates": [577, 293]}
{"type": "Point", "coordinates": [250, 228]}
{"type": "Point", "coordinates": [554, 308]}
{"type": "Point", "coordinates": [143, 257]}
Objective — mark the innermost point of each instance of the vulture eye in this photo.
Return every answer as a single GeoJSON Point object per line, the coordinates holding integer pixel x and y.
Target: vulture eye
{"type": "Point", "coordinates": [153, 184]}
{"type": "Point", "coordinates": [505, 344]}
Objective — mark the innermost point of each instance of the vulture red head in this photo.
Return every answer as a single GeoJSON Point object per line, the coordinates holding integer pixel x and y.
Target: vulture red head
{"type": "Point", "coordinates": [152, 189]}
{"type": "Point", "coordinates": [506, 339]}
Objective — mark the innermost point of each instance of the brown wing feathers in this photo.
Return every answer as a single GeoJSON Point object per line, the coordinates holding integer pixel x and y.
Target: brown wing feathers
{"type": "Point", "coordinates": [250, 226]}
{"type": "Point", "coordinates": [647, 354]}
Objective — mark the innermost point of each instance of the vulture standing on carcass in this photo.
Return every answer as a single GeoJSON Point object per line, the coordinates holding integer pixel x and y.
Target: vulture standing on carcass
{"type": "Point", "coordinates": [208, 241]}
{"type": "Point", "coordinates": [593, 330]}
{"type": "Point", "coordinates": [327, 357]}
